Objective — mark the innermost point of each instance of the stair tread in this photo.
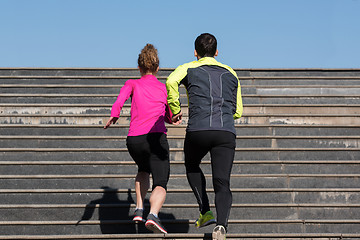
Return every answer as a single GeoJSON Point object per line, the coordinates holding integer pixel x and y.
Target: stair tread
{"type": "Point", "coordinates": [75, 149]}
{"type": "Point", "coordinates": [132, 176]}
{"type": "Point", "coordinates": [118, 86]}
{"type": "Point", "coordinates": [188, 205]}
{"type": "Point", "coordinates": [176, 236]}
{"type": "Point", "coordinates": [172, 162]}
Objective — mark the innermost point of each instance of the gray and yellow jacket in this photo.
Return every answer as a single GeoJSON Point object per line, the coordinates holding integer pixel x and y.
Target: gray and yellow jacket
{"type": "Point", "coordinates": [214, 94]}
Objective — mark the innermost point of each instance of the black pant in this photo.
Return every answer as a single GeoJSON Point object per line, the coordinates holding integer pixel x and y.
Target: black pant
{"type": "Point", "coordinates": [221, 145]}
{"type": "Point", "coordinates": [151, 154]}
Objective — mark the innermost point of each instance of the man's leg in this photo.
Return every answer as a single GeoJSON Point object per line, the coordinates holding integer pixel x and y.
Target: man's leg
{"type": "Point", "coordinates": [222, 157]}
{"type": "Point", "coordinates": [195, 148]}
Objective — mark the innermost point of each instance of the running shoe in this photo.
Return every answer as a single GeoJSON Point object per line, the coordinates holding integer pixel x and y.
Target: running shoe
{"type": "Point", "coordinates": [153, 224]}
{"type": "Point", "coordinates": [138, 215]}
{"type": "Point", "coordinates": [204, 220]}
{"type": "Point", "coordinates": [219, 233]}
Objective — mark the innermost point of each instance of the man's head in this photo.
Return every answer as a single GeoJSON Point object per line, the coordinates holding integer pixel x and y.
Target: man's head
{"type": "Point", "coordinates": [205, 46]}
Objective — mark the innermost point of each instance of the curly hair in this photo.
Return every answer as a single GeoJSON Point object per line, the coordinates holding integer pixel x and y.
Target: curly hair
{"type": "Point", "coordinates": [148, 60]}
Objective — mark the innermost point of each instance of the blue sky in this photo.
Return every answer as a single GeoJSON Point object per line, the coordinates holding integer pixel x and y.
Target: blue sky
{"type": "Point", "coordinates": [111, 33]}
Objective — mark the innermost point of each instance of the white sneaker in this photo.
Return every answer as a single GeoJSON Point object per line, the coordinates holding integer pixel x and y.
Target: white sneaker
{"type": "Point", "coordinates": [219, 233]}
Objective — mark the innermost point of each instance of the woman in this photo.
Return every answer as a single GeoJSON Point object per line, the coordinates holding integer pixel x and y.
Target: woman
{"type": "Point", "coordinates": [146, 140]}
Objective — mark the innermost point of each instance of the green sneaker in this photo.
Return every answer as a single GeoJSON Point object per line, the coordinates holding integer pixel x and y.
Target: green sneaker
{"type": "Point", "coordinates": [204, 220]}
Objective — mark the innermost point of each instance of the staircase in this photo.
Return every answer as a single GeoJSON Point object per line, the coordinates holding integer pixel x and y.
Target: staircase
{"type": "Point", "coordinates": [296, 173]}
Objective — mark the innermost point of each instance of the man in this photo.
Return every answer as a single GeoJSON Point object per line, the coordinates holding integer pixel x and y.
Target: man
{"type": "Point", "coordinates": [214, 97]}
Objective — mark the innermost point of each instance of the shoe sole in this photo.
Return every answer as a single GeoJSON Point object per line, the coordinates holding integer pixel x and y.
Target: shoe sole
{"type": "Point", "coordinates": [138, 219]}
{"type": "Point", "coordinates": [154, 227]}
{"type": "Point", "coordinates": [218, 235]}
{"type": "Point", "coordinates": [206, 224]}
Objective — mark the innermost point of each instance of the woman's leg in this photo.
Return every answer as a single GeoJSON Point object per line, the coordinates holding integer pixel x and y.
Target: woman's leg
{"type": "Point", "coordinates": [160, 170]}
{"type": "Point", "coordinates": [157, 199]}
{"type": "Point", "coordinates": [142, 185]}
{"type": "Point", "coordinates": [139, 151]}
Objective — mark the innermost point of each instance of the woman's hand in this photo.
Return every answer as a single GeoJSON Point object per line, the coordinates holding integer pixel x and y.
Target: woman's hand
{"type": "Point", "coordinates": [112, 120]}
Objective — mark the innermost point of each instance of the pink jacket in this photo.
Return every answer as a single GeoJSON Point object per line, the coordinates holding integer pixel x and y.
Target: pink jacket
{"type": "Point", "coordinates": [149, 108]}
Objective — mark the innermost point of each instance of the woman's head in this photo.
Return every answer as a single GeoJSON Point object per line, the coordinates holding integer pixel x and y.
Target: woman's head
{"type": "Point", "coordinates": [148, 60]}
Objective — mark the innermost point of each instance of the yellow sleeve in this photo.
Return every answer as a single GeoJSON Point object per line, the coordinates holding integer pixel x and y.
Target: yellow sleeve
{"type": "Point", "coordinates": [239, 105]}
{"type": "Point", "coordinates": [172, 86]}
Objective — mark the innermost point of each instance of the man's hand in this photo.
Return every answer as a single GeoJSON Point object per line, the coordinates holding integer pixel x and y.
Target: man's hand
{"type": "Point", "coordinates": [112, 120]}
{"type": "Point", "coordinates": [177, 119]}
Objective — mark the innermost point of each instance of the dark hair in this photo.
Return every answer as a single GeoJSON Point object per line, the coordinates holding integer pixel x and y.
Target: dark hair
{"type": "Point", "coordinates": [148, 59]}
{"type": "Point", "coordinates": [206, 45]}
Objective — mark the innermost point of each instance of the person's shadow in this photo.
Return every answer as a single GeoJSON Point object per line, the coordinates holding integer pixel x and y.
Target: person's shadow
{"type": "Point", "coordinates": [115, 217]}
{"type": "Point", "coordinates": [113, 213]}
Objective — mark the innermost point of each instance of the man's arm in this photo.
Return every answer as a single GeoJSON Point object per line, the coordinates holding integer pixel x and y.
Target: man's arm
{"type": "Point", "coordinates": [172, 86]}
{"type": "Point", "coordinates": [239, 105]}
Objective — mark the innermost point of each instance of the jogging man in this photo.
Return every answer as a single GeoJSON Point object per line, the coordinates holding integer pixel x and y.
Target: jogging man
{"type": "Point", "coordinates": [214, 97]}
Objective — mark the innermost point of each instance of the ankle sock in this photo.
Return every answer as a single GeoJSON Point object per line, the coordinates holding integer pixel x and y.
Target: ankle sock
{"type": "Point", "coordinates": [155, 215]}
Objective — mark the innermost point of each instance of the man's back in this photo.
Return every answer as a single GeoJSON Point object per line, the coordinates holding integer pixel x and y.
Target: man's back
{"type": "Point", "coordinates": [212, 98]}
{"type": "Point", "coordinates": [214, 94]}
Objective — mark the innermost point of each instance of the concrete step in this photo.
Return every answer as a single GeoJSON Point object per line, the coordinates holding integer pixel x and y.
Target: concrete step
{"type": "Point", "coordinates": [278, 227]}
{"type": "Point", "coordinates": [300, 99]}
{"type": "Point", "coordinates": [120, 210]}
{"type": "Point", "coordinates": [296, 90]}
{"type": "Point", "coordinates": [249, 119]}
{"type": "Point", "coordinates": [300, 80]}
{"type": "Point", "coordinates": [50, 72]}
{"type": "Point", "coordinates": [78, 72]}
{"type": "Point", "coordinates": [45, 141]}
{"type": "Point", "coordinates": [26, 98]}
{"type": "Point", "coordinates": [42, 90]}
{"type": "Point", "coordinates": [113, 80]}
{"type": "Point", "coordinates": [57, 89]}
{"type": "Point", "coordinates": [296, 72]}
{"type": "Point", "coordinates": [248, 236]}
{"type": "Point", "coordinates": [245, 89]}
{"type": "Point", "coordinates": [122, 130]}
{"type": "Point", "coordinates": [179, 180]}
{"type": "Point", "coordinates": [268, 230]}
{"type": "Point", "coordinates": [75, 80]}
{"type": "Point", "coordinates": [249, 109]}
{"type": "Point", "coordinates": [176, 154]}
{"type": "Point", "coordinates": [240, 195]}
{"type": "Point", "coordinates": [177, 167]}
{"type": "Point", "coordinates": [167, 71]}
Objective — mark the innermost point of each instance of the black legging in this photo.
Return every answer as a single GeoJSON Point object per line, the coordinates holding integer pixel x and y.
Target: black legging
{"type": "Point", "coordinates": [221, 145]}
{"type": "Point", "coordinates": [151, 154]}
